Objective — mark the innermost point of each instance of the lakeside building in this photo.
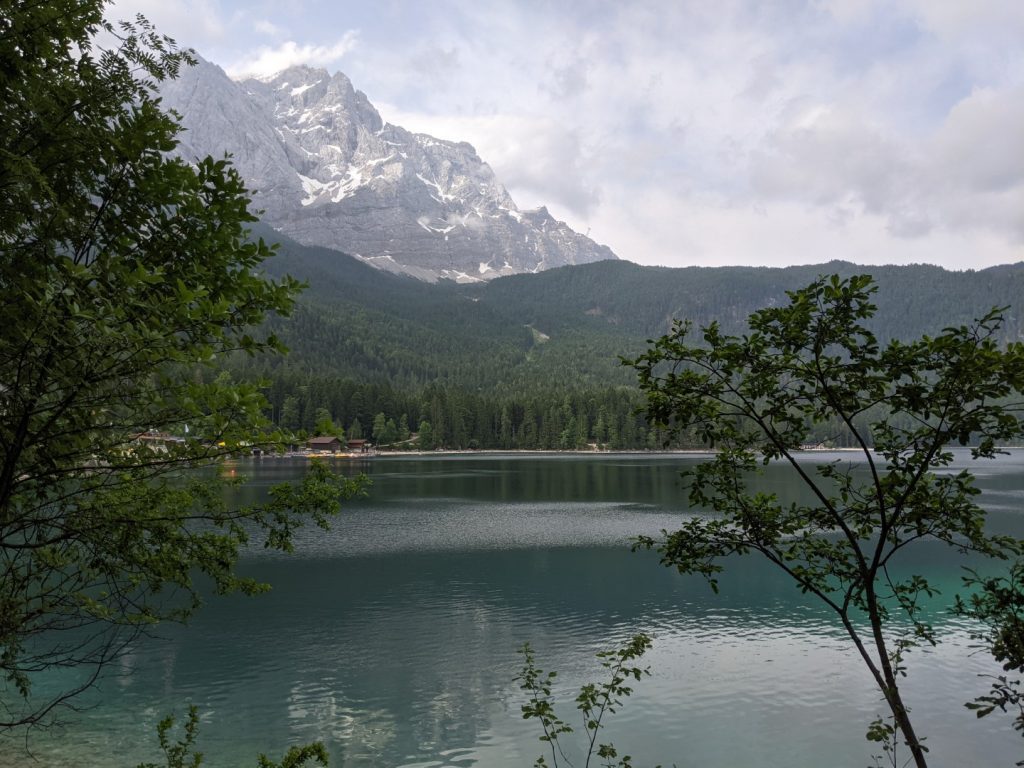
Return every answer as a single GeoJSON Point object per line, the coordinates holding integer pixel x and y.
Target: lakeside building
{"type": "Point", "coordinates": [324, 444]}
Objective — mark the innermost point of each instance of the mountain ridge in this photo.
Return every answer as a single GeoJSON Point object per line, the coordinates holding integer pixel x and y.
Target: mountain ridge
{"type": "Point", "coordinates": [361, 322]}
{"type": "Point", "coordinates": [327, 170]}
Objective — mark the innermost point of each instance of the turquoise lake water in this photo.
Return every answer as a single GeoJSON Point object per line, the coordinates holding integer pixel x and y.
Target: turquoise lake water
{"type": "Point", "coordinates": [393, 638]}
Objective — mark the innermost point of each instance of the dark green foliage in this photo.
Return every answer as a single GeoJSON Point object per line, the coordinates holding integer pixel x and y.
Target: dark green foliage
{"type": "Point", "coordinates": [756, 398]}
{"type": "Point", "coordinates": [998, 606]}
{"type": "Point", "coordinates": [355, 432]}
{"type": "Point", "coordinates": [298, 757]}
{"type": "Point", "coordinates": [593, 702]}
{"type": "Point", "coordinates": [538, 418]}
{"type": "Point", "coordinates": [125, 275]}
{"type": "Point", "coordinates": [425, 439]}
{"type": "Point", "coordinates": [357, 322]}
{"type": "Point", "coordinates": [182, 754]}
{"type": "Point", "coordinates": [635, 302]}
{"type": "Point", "coordinates": [507, 354]}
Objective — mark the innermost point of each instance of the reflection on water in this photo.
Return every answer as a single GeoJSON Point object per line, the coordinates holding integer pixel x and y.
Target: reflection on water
{"type": "Point", "coordinates": [393, 638]}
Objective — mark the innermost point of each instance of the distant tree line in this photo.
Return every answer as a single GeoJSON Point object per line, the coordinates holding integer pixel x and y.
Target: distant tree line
{"type": "Point", "coordinates": [448, 417]}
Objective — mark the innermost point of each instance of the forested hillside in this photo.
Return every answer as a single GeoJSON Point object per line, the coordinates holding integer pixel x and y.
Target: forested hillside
{"type": "Point", "coordinates": [643, 301]}
{"type": "Point", "coordinates": [532, 361]}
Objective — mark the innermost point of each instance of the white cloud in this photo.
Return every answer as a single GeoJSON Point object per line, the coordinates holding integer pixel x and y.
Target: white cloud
{"type": "Point", "coordinates": [665, 228]}
{"type": "Point", "coordinates": [825, 156]}
{"type": "Point", "coordinates": [980, 145]}
{"type": "Point", "coordinates": [680, 133]}
{"type": "Point", "coordinates": [267, 28]}
{"type": "Point", "coordinates": [269, 60]}
{"type": "Point", "coordinates": [968, 175]}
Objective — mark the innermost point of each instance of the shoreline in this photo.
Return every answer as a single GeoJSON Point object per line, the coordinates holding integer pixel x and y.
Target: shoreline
{"type": "Point", "coordinates": [539, 452]}
{"type": "Point", "coordinates": [542, 452]}
{"type": "Point", "coordinates": [480, 452]}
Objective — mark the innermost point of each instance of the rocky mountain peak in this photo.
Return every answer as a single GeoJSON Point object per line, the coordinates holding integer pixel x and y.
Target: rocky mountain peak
{"type": "Point", "coordinates": [327, 170]}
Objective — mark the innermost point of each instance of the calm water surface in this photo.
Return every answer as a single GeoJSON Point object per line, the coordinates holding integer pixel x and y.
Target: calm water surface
{"type": "Point", "coordinates": [393, 638]}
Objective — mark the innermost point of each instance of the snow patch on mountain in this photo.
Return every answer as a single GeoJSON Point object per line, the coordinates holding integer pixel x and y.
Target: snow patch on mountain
{"type": "Point", "coordinates": [327, 170]}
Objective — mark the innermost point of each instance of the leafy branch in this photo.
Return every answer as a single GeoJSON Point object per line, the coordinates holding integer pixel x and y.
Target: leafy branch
{"type": "Point", "coordinates": [182, 753]}
{"type": "Point", "coordinates": [595, 700]}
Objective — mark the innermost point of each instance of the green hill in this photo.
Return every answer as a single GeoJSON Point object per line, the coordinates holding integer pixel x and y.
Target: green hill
{"type": "Point", "coordinates": [365, 342]}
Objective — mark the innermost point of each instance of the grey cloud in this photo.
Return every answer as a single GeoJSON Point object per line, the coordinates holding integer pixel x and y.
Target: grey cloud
{"type": "Point", "coordinates": [568, 81]}
{"type": "Point", "coordinates": [434, 63]}
{"type": "Point", "coordinates": [552, 162]}
{"type": "Point", "coordinates": [981, 143]}
{"type": "Point", "coordinates": [827, 157]}
{"type": "Point", "coordinates": [909, 224]}
{"type": "Point", "coordinates": [591, 106]}
{"type": "Point", "coordinates": [967, 176]}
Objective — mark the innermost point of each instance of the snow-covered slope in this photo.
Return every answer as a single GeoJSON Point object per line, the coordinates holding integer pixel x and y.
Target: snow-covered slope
{"type": "Point", "coordinates": [326, 170]}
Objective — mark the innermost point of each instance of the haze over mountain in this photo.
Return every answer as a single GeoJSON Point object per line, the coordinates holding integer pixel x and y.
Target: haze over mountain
{"type": "Point", "coordinates": [327, 170]}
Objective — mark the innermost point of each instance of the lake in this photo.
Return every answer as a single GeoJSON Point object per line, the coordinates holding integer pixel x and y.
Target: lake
{"type": "Point", "coordinates": [393, 638]}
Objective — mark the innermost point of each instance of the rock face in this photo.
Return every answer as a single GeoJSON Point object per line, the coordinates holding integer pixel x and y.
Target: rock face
{"type": "Point", "coordinates": [326, 170]}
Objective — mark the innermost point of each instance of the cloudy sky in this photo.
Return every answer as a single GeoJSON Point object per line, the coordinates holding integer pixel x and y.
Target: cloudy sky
{"type": "Point", "coordinates": [690, 131]}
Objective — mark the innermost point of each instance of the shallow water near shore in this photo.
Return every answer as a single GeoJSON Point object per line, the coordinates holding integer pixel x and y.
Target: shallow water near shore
{"type": "Point", "coordinates": [393, 638]}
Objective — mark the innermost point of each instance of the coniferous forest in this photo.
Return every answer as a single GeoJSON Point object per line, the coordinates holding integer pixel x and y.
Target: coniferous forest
{"type": "Point", "coordinates": [535, 362]}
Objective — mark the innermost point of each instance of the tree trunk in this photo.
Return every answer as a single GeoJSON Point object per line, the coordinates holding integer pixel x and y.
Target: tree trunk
{"type": "Point", "coordinates": [889, 687]}
{"type": "Point", "coordinates": [899, 711]}
{"type": "Point", "coordinates": [885, 678]}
